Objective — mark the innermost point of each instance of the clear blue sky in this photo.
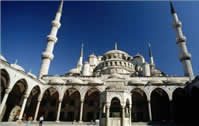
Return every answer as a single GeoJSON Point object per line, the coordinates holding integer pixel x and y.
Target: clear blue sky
{"type": "Point", "coordinates": [98, 25]}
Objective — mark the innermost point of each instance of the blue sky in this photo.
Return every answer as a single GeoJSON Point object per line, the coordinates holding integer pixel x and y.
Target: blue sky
{"type": "Point", "coordinates": [25, 25]}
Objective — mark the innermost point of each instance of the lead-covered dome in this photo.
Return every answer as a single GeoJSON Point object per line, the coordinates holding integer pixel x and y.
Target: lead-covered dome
{"type": "Point", "coordinates": [115, 61]}
{"type": "Point", "coordinates": [18, 67]}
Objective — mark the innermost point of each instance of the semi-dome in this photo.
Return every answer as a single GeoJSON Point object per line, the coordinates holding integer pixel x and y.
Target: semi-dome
{"type": "Point", "coordinates": [32, 75]}
{"type": "Point", "coordinates": [56, 81]}
{"type": "Point", "coordinates": [173, 81]}
{"type": "Point", "coordinates": [135, 81]}
{"type": "Point", "coordinates": [155, 81]}
{"type": "Point", "coordinates": [18, 67]}
{"type": "Point", "coordinates": [92, 55]}
{"type": "Point", "coordinates": [74, 71]}
{"type": "Point", "coordinates": [2, 58]}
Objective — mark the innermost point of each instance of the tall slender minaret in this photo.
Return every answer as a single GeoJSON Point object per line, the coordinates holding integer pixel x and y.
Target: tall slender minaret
{"type": "Point", "coordinates": [47, 55]}
{"type": "Point", "coordinates": [150, 55]}
{"type": "Point", "coordinates": [80, 61]}
{"type": "Point", "coordinates": [184, 55]}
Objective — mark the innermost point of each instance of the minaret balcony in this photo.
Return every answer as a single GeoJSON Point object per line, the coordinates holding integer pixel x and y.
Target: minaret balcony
{"type": "Point", "coordinates": [56, 24]}
{"type": "Point", "coordinates": [47, 55]}
{"type": "Point", "coordinates": [185, 56]}
{"type": "Point", "coordinates": [51, 38]}
{"type": "Point", "coordinates": [181, 39]}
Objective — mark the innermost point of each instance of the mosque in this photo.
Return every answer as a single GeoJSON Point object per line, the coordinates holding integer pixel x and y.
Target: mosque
{"type": "Point", "coordinates": [114, 89]}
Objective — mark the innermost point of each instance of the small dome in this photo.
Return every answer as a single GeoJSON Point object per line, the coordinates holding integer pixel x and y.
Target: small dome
{"type": "Point", "coordinates": [74, 81]}
{"type": "Point", "coordinates": [32, 75]}
{"type": "Point", "coordinates": [95, 81]}
{"type": "Point", "coordinates": [173, 81]}
{"type": "Point", "coordinates": [3, 58]}
{"type": "Point", "coordinates": [74, 71]}
{"type": "Point", "coordinates": [155, 81]}
{"type": "Point", "coordinates": [134, 81]}
{"type": "Point", "coordinates": [16, 66]}
{"type": "Point", "coordinates": [92, 55]}
{"type": "Point", "coordinates": [56, 81]}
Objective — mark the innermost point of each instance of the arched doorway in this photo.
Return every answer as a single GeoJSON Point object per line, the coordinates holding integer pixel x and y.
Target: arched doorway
{"type": "Point", "coordinates": [91, 105]}
{"type": "Point", "coordinates": [159, 105]}
{"type": "Point", "coordinates": [32, 102]}
{"type": "Point", "coordinates": [5, 80]}
{"type": "Point", "coordinates": [115, 108]}
{"type": "Point", "coordinates": [49, 104]}
{"type": "Point", "coordinates": [140, 111]}
{"type": "Point", "coordinates": [15, 100]}
{"type": "Point", "coordinates": [70, 109]}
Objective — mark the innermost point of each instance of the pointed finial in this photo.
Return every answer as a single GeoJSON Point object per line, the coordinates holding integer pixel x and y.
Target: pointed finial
{"type": "Point", "coordinates": [82, 50]}
{"type": "Point", "coordinates": [115, 45]}
{"type": "Point", "coordinates": [16, 61]}
{"type": "Point", "coordinates": [60, 6]}
{"type": "Point", "coordinates": [172, 8]}
{"type": "Point", "coordinates": [150, 51]}
{"type": "Point", "coordinates": [30, 70]}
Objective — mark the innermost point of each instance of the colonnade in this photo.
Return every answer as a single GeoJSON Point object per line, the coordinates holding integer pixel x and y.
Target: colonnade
{"type": "Point", "coordinates": [149, 107]}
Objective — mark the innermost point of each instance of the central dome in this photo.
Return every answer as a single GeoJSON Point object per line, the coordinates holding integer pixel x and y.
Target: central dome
{"type": "Point", "coordinates": [115, 61]}
{"type": "Point", "coordinates": [115, 52]}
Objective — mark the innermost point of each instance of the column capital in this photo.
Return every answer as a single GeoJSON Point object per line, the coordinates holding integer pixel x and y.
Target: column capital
{"type": "Point", "coordinates": [108, 104]}
{"type": "Point", "coordinates": [8, 90]}
{"type": "Point", "coordinates": [39, 99]}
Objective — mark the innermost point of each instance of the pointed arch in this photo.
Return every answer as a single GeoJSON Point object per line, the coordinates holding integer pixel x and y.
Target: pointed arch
{"type": "Point", "coordinates": [91, 105]}
{"type": "Point", "coordinates": [115, 108]}
{"type": "Point", "coordinates": [159, 105]}
{"type": "Point", "coordinates": [49, 104]}
{"type": "Point", "coordinates": [140, 110]}
{"type": "Point", "coordinates": [70, 105]}
{"type": "Point", "coordinates": [5, 82]}
{"type": "Point", "coordinates": [32, 100]}
{"type": "Point", "coordinates": [15, 99]}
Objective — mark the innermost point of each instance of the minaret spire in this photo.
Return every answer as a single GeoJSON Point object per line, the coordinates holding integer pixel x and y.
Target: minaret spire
{"type": "Point", "coordinates": [80, 61]}
{"type": "Point", "coordinates": [172, 8]}
{"type": "Point", "coordinates": [47, 55]}
{"type": "Point", "coordinates": [150, 54]}
{"type": "Point", "coordinates": [184, 56]}
{"type": "Point", "coordinates": [115, 45]}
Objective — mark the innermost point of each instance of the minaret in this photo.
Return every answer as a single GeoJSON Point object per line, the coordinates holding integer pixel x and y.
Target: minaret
{"type": "Point", "coordinates": [80, 61]}
{"type": "Point", "coordinates": [150, 55]}
{"type": "Point", "coordinates": [184, 55]}
{"type": "Point", "coordinates": [47, 55]}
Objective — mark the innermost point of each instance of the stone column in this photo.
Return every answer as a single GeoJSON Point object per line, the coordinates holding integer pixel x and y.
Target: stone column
{"type": "Point", "coordinates": [107, 114]}
{"type": "Point", "coordinates": [37, 109]}
{"type": "Point", "coordinates": [123, 116]}
{"type": "Point", "coordinates": [4, 102]}
{"type": "Point", "coordinates": [58, 111]}
{"type": "Point", "coordinates": [81, 111]}
{"type": "Point", "coordinates": [23, 106]}
{"type": "Point", "coordinates": [149, 108]}
{"type": "Point", "coordinates": [130, 115]}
